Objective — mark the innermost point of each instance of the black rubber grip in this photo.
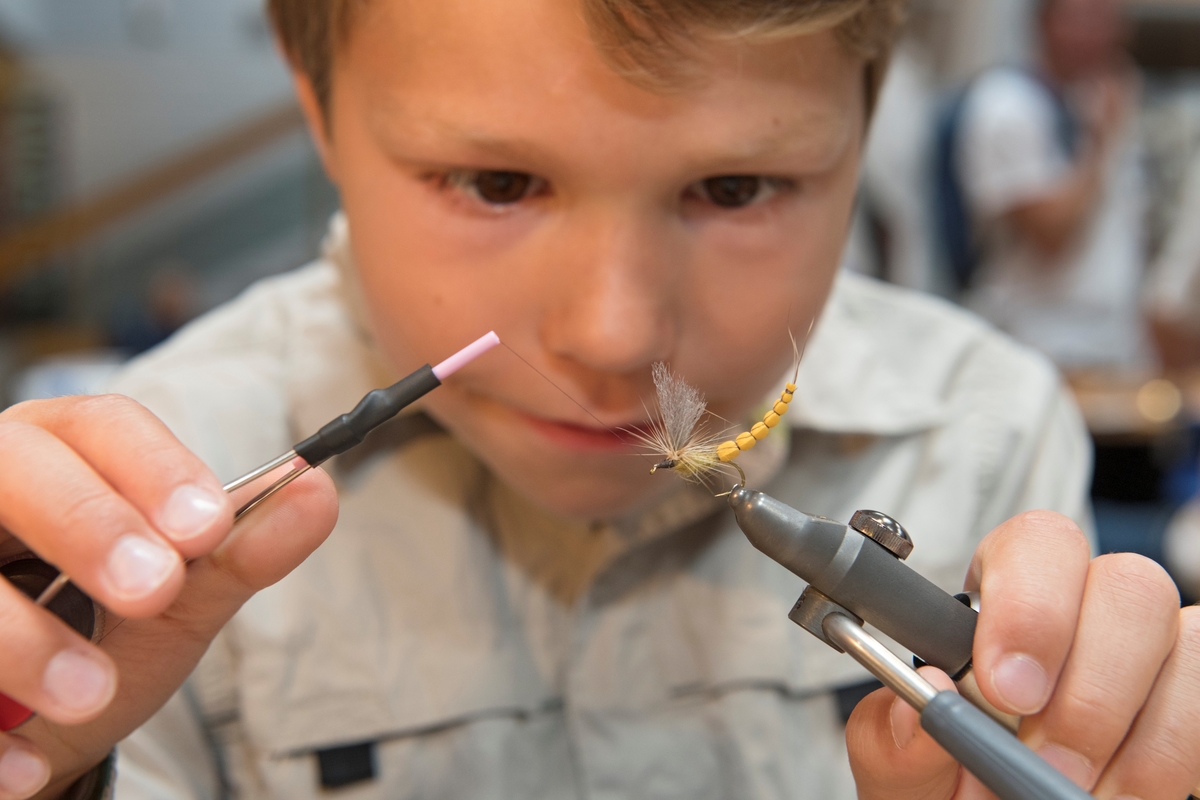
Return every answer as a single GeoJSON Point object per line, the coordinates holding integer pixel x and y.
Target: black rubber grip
{"type": "Point", "coordinates": [71, 605]}
{"type": "Point", "coordinates": [372, 411]}
{"type": "Point", "coordinates": [860, 575]}
{"type": "Point", "coordinates": [993, 755]}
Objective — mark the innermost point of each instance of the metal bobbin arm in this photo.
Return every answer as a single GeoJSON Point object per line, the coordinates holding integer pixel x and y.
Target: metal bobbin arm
{"type": "Point", "coordinates": [983, 746]}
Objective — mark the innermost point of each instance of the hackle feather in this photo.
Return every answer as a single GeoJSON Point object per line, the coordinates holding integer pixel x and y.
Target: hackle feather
{"type": "Point", "coordinates": [681, 434]}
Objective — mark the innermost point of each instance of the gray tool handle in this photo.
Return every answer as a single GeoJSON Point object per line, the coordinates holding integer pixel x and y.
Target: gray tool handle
{"type": "Point", "coordinates": [863, 577]}
{"type": "Point", "coordinates": [992, 754]}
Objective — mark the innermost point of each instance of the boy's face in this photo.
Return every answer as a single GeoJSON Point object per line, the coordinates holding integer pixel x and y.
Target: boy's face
{"type": "Point", "coordinates": [1083, 37]}
{"type": "Point", "coordinates": [497, 174]}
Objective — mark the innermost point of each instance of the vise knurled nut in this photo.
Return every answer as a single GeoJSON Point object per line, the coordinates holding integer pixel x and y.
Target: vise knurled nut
{"type": "Point", "coordinates": [883, 529]}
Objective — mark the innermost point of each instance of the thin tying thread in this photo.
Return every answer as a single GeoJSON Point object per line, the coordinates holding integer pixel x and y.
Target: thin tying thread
{"type": "Point", "coordinates": [111, 630]}
{"type": "Point", "coordinates": [564, 393]}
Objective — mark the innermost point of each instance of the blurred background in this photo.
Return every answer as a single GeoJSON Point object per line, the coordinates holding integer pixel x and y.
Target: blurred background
{"type": "Point", "coordinates": [152, 165]}
{"type": "Point", "coordinates": [1035, 160]}
{"type": "Point", "coordinates": [1038, 161]}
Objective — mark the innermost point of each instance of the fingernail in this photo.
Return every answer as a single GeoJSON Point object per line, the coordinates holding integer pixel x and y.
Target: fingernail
{"type": "Point", "coordinates": [78, 683]}
{"type": "Point", "coordinates": [137, 566]}
{"type": "Point", "coordinates": [1021, 683]}
{"type": "Point", "coordinates": [904, 723]}
{"type": "Point", "coordinates": [22, 773]}
{"type": "Point", "coordinates": [188, 512]}
{"type": "Point", "coordinates": [1069, 763]}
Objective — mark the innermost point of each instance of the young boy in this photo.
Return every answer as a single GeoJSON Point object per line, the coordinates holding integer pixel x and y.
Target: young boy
{"type": "Point", "coordinates": [511, 606]}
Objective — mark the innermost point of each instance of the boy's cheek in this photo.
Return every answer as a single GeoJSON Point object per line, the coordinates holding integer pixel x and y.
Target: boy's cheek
{"type": "Point", "coordinates": [421, 315]}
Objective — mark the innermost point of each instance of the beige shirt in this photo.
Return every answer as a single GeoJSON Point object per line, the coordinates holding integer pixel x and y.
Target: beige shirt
{"type": "Point", "coordinates": [490, 650]}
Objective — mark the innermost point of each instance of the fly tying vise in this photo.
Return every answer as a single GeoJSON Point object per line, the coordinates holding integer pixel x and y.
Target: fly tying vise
{"type": "Point", "coordinates": [855, 575]}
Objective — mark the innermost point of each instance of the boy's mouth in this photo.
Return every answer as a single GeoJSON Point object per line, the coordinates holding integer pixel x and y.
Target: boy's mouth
{"type": "Point", "coordinates": [594, 438]}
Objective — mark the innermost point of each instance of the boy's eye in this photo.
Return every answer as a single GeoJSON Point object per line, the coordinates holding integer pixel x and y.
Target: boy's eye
{"type": "Point", "coordinates": [736, 191]}
{"type": "Point", "coordinates": [495, 187]}
{"type": "Point", "coordinates": [731, 191]}
{"type": "Point", "coordinates": [502, 187]}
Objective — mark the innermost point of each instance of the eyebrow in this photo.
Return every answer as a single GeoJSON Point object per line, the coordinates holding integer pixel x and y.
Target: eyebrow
{"type": "Point", "coordinates": [505, 147]}
{"type": "Point", "coordinates": [820, 136]}
{"type": "Point", "coordinates": [392, 124]}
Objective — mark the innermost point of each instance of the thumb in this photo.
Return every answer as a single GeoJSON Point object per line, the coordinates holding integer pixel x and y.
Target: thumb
{"type": "Point", "coordinates": [892, 756]}
{"type": "Point", "coordinates": [265, 546]}
{"type": "Point", "coordinates": [155, 655]}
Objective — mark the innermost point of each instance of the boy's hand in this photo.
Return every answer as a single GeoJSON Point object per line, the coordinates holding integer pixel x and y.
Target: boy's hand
{"type": "Point", "coordinates": [1095, 654]}
{"type": "Point", "coordinates": [100, 488]}
{"type": "Point", "coordinates": [1110, 102]}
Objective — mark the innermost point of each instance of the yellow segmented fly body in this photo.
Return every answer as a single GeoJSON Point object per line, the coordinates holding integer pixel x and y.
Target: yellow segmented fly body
{"type": "Point", "coordinates": [729, 450]}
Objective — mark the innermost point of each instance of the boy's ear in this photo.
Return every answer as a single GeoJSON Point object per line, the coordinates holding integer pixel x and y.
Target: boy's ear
{"type": "Point", "coordinates": [318, 123]}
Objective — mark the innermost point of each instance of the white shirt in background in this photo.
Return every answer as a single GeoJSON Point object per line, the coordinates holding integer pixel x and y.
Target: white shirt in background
{"type": "Point", "coordinates": [1173, 284]}
{"type": "Point", "coordinates": [896, 169]}
{"type": "Point", "coordinates": [1079, 308]}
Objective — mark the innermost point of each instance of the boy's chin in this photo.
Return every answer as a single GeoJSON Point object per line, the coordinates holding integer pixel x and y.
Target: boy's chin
{"type": "Point", "coordinates": [565, 474]}
{"type": "Point", "coordinates": [587, 494]}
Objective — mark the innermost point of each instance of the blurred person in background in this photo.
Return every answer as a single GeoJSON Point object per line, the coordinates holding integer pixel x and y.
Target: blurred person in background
{"type": "Point", "coordinates": [1181, 549]}
{"type": "Point", "coordinates": [891, 237]}
{"type": "Point", "coordinates": [1046, 163]}
{"type": "Point", "coordinates": [1172, 296]}
{"type": "Point", "coordinates": [170, 301]}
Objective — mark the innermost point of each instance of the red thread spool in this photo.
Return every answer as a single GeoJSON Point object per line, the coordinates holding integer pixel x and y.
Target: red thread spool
{"type": "Point", "coordinates": [31, 576]}
{"type": "Point", "coordinates": [12, 713]}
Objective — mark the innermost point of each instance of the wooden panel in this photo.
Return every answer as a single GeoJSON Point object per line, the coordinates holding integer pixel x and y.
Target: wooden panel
{"type": "Point", "coordinates": [38, 239]}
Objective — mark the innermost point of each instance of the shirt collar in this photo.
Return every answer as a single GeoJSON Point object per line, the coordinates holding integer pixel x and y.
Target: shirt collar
{"type": "Point", "coordinates": [868, 370]}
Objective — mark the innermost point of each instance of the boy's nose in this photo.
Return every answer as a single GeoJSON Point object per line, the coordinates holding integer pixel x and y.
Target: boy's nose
{"type": "Point", "coordinates": [616, 305]}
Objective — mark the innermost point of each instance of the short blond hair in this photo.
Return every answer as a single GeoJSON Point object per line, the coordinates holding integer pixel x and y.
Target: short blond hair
{"type": "Point", "coordinates": [642, 38]}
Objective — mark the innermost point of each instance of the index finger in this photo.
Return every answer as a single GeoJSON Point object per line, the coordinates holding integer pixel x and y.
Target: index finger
{"type": "Point", "coordinates": [135, 453]}
{"type": "Point", "coordinates": [1030, 573]}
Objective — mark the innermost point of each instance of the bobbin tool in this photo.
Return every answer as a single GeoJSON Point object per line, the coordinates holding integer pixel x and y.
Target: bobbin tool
{"type": "Point", "coordinates": [856, 575]}
{"type": "Point", "coordinates": [338, 435]}
{"type": "Point", "coordinates": [32, 576]}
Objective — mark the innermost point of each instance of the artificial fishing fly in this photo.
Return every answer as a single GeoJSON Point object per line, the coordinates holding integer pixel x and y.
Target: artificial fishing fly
{"type": "Point", "coordinates": [682, 436]}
